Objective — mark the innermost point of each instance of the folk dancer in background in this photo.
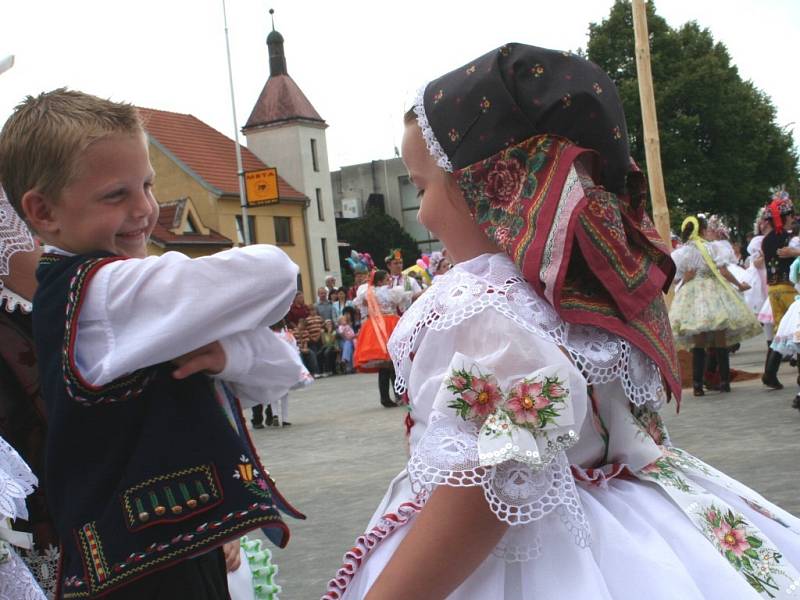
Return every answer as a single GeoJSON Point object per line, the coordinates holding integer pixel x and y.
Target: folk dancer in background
{"type": "Point", "coordinates": [780, 248]}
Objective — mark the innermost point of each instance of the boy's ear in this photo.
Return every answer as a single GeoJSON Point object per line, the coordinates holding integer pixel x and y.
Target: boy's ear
{"type": "Point", "coordinates": [38, 212]}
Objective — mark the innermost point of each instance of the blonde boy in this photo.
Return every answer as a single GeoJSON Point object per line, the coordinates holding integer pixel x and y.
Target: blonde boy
{"type": "Point", "coordinates": [143, 471]}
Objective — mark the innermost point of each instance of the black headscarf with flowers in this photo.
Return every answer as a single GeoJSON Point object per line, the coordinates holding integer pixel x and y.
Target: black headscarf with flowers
{"type": "Point", "coordinates": [537, 141]}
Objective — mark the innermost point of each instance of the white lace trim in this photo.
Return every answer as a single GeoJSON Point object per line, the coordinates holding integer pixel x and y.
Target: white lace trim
{"type": "Point", "coordinates": [14, 235]}
{"type": "Point", "coordinates": [12, 301]}
{"type": "Point", "coordinates": [16, 581]}
{"type": "Point", "coordinates": [16, 482]}
{"type": "Point", "coordinates": [43, 565]}
{"type": "Point", "coordinates": [459, 295]}
{"type": "Point", "coordinates": [434, 147]}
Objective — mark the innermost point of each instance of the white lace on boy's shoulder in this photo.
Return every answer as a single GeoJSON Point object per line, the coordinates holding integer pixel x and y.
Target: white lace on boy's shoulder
{"type": "Point", "coordinates": [16, 482]}
{"type": "Point", "coordinates": [494, 281]}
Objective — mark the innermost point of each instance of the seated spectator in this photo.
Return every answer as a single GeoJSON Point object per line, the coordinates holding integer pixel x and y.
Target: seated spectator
{"type": "Point", "coordinates": [329, 351]}
{"type": "Point", "coordinates": [314, 325]}
{"type": "Point", "coordinates": [340, 302]}
{"type": "Point", "coordinates": [298, 310]}
{"type": "Point", "coordinates": [308, 357]}
{"type": "Point", "coordinates": [353, 318]}
{"type": "Point", "coordinates": [347, 338]}
{"type": "Point", "coordinates": [323, 305]}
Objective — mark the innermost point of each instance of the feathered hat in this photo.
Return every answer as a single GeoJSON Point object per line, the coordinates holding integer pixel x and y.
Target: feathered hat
{"type": "Point", "coordinates": [780, 206]}
{"type": "Point", "coordinates": [360, 262]}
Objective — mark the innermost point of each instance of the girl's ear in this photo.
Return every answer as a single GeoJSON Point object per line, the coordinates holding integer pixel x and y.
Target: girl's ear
{"type": "Point", "coordinates": [38, 212]}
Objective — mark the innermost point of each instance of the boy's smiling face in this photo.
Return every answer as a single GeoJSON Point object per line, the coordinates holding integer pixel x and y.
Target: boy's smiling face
{"type": "Point", "coordinates": [109, 203]}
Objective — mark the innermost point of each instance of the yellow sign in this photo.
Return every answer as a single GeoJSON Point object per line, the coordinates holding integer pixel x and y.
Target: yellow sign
{"type": "Point", "coordinates": [261, 186]}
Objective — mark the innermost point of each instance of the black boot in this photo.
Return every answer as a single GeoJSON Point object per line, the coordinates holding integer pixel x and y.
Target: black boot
{"type": "Point", "coordinates": [711, 375]}
{"type": "Point", "coordinates": [698, 369]}
{"type": "Point", "coordinates": [724, 364]}
{"type": "Point", "coordinates": [384, 380]}
{"type": "Point", "coordinates": [770, 376]}
{"type": "Point", "coordinates": [258, 416]}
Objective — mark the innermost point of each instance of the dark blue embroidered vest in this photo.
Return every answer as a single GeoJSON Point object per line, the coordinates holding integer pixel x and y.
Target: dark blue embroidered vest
{"type": "Point", "coordinates": [142, 472]}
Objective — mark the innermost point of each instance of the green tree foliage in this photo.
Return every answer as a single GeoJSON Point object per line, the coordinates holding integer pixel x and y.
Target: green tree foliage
{"type": "Point", "coordinates": [721, 148]}
{"type": "Point", "coordinates": [376, 233]}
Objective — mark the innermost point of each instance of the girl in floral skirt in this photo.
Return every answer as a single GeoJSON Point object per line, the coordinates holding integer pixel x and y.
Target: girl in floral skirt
{"type": "Point", "coordinates": [536, 366]}
{"type": "Point", "coordinates": [707, 311]}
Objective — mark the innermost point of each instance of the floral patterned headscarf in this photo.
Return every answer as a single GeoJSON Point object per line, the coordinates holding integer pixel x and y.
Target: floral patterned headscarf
{"type": "Point", "coordinates": [537, 142]}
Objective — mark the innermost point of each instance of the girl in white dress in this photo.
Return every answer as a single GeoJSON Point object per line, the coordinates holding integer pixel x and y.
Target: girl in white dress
{"type": "Point", "coordinates": [539, 467]}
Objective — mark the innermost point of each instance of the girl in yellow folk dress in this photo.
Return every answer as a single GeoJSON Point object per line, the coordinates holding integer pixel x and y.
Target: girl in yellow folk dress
{"type": "Point", "coordinates": [707, 311]}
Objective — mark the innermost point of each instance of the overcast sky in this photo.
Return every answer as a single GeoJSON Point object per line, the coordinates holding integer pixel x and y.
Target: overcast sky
{"type": "Point", "coordinates": [359, 62]}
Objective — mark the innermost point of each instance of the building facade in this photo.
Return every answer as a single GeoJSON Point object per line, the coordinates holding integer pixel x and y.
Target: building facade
{"type": "Point", "coordinates": [383, 181]}
{"type": "Point", "coordinates": [198, 189]}
{"type": "Point", "coordinates": [286, 131]}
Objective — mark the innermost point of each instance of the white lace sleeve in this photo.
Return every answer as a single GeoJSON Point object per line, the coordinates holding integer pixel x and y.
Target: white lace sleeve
{"type": "Point", "coordinates": [500, 414]}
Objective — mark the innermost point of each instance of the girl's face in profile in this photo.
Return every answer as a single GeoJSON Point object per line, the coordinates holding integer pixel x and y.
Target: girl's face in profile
{"type": "Point", "coordinates": [434, 188]}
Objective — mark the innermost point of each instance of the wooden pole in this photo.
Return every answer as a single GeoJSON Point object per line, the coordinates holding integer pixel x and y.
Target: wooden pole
{"type": "Point", "coordinates": [652, 145]}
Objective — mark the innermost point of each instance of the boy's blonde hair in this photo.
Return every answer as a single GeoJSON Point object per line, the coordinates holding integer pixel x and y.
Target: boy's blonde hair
{"type": "Point", "coordinates": [42, 141]}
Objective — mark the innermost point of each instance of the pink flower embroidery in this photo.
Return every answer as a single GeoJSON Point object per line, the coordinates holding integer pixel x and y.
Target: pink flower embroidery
{"type": "Point", "coordinates": [458, 382]}
{"type": "Point", "coordinates": [525, 401]}
{"type": "Point", "coordinates": [502, 236]}
{"type": "Point", "coordinates": [557, 390]}
{"type": "Point", "coordinates": [483, 397]}
{"type": "Point", "coordinates": [731, 538]}
{"type": "Point", "coordinates": [504, 182]}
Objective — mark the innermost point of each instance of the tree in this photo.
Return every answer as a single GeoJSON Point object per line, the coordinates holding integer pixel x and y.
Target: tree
{"type": "Point", "coordinates": [721, 148]}
{"type": "Point", "coordinates": [376, 233]}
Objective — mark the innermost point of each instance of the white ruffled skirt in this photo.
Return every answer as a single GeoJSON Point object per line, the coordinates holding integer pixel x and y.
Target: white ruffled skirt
{"type": "Point", "coordinates": [787, 338]}
{"type": "Point", "coordinates": [643, 546]}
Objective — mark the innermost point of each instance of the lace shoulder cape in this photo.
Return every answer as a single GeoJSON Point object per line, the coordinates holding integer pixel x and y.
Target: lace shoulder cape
{"type": "Point", "coordinates": [461, 294]}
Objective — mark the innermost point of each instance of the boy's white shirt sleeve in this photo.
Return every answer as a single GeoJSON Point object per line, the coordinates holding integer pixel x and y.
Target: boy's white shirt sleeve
{"type": "Point", "coordinates": [141, 312]}
{"type": "Point", "coordinates": [260, 365]}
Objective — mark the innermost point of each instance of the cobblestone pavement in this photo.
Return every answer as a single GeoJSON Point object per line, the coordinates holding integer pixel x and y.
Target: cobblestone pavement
{"type": "Point", "coordinates": [336, 460]}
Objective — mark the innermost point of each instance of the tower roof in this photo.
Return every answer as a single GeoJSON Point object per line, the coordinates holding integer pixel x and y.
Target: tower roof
{"type": "Point", "coordinates": [281, 100]}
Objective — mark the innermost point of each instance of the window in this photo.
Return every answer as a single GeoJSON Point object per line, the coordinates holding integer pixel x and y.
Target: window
{"type": "Point", "coordinates": [320, 212]}
{"type": "Point", "coordinates": [189, 227]}
{"type": "Point", "coordinates": [314, 159]}
{"type": "Point", "coordinates": [325, 263]}
{"type": "Point", "coordinates": [283, 231]}
{"type": "Point", "coordinates": [251, 227]}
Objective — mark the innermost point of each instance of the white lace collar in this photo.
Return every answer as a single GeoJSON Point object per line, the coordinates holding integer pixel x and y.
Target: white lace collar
{"type": "Point", "coordinates": [11, 302]}
{"type": "Point", "coordinates": [493, 280]}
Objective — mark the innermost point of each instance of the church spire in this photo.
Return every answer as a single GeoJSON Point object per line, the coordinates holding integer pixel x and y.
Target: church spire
{"type": "Point", "coordinates": [277, 59]}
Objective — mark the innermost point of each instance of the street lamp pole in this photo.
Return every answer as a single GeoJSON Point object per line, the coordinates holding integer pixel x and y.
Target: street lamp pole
{"type": "Point", "coordinates": [240, 171]}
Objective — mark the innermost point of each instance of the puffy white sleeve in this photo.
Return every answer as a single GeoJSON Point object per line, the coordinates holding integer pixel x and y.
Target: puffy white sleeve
{"type": "Point", "coordinates": [400, 297]}
{"type": "Point", "coordinates": [679, 257]}
{"type": "Point", "coordinates": [140, 312]}
{"type": "Point", "coordinates": [496, 406]}
{"type": "Point", "coordinates": [261, 365]}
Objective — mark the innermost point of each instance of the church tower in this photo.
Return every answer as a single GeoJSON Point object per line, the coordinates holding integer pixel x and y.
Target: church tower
{"type": "Point", "coordinates": [285, 131]}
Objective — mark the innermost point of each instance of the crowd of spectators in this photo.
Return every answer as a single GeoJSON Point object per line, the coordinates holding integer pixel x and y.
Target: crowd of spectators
{"type": "Point", "coordinates": [325, 331]}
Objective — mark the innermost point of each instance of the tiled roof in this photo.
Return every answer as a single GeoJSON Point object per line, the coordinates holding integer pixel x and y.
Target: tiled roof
{"type": "Point", "coordinates": [205, 151]}
{"type": "Point", "coordinates": [170, 217]}
{"type": "Point", "coordinates": [281, 100]}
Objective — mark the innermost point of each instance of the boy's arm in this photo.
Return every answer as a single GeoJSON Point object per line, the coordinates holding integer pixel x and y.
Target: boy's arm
{"type": "Point", "coordinates": [140, 312]}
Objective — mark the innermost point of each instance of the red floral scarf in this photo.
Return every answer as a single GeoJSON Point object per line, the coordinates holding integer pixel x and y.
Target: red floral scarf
{"type": "Point", "coordinates": [594, 255]}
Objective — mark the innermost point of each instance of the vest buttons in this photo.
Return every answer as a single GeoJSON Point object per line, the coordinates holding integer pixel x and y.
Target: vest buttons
{"type": "Point", "coordinates": [159, 510]}
{"type": "Point", "coordinates": [191, 503]}
{"type": "Point", "coordinates": [144, 516]}
{"type": "Point", "coordinates": [204, 498]}
{"type": "Point", "coordinates": [177, 509]}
